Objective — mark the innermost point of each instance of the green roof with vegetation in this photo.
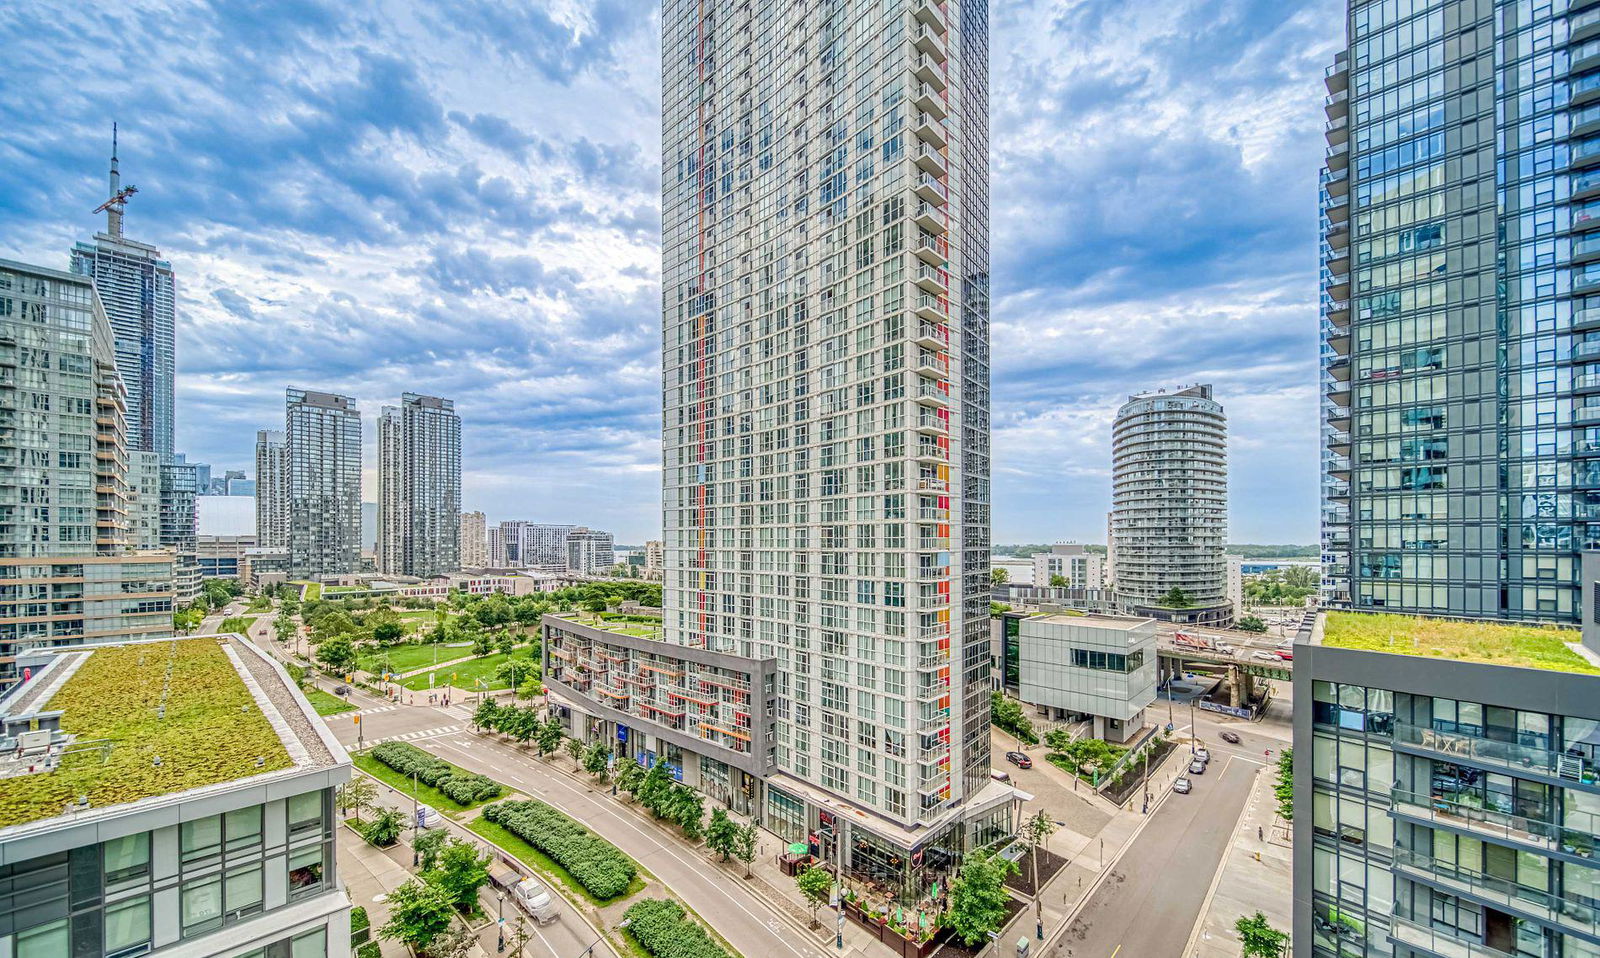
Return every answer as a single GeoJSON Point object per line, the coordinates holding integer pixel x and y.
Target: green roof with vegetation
{"type": "Point", "coordinates": [211, 731]}
{"type": "Point", "coordinates": [1489, 643]}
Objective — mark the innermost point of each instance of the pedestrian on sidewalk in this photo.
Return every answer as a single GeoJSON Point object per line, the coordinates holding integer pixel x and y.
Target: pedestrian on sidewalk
{"type": "Point", "coordinates": [1260, 834]}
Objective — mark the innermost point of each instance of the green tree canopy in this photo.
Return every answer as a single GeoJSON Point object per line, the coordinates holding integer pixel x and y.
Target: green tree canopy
{"type": "Point", "coordinates": [1258, 939]}
{"type": "Point", "coordinates": [978, 896]}
{"type": "Point", "coordinates": [419, 912]}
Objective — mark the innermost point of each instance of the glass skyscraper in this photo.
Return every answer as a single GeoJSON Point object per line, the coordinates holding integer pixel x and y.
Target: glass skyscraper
{"type": "Point", "coordinates": [419, 487]}
{"type": "Point", "coordinates": [1461, 307]}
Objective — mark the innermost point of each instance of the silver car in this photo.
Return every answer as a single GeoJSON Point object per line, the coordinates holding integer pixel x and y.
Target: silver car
{"type": "Point", "coordinates": [1182, 786]}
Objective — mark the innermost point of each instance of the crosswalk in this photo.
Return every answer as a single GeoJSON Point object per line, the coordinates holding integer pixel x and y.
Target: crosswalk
{"type": "Point", "coordinates": [375, 710]}
{"type": "Point", "coordinates": [414, 736]}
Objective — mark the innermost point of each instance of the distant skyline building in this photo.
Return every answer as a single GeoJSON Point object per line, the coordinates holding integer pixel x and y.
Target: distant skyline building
{"type": "Point", "coordinates": [496, 536]}
{"type": "Point", "coordinates": [180, 485]}
{"type": "Point", "coordinates": [474, 540]}
{"type": "Point", "coordinates": [419, 487]}
{"type": "Point", "coordinates": [139, 293]}
{"type": "Point", "coordinates": [590, 551]}
{"type": "Point", "coordinates": [272, 489]}
{"type": "Point", "coordinates": [1073, 562]}
{"type": "Point", "coordinates": [70, 526]}
{"type": "Point", "coordinates": [323, 433]}
{"type": "Point", "coordinates": [1169, 505]}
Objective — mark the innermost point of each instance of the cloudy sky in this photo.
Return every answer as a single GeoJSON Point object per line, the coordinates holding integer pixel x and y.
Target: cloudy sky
{"type": "Point", "coordinates": [461, 198]}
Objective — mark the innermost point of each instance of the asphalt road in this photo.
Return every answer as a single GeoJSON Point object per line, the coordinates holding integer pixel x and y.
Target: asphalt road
{"type": "Point", "coordinates": [1147, 906]}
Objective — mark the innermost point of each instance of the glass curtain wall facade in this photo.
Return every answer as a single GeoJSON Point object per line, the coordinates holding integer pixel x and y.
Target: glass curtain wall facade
{"type": "Point", "coordinates": [430, 453]}
{"type": "Point", "coordinates": [272, 491]}
{"type": "Point", "coordinates": [1460, 308]}
{"type": "Point", "coordinates": [826, 377]}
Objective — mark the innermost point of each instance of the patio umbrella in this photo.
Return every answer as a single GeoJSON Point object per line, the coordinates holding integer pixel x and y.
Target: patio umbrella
{"type": "Point", "coordinates": [799, 848]}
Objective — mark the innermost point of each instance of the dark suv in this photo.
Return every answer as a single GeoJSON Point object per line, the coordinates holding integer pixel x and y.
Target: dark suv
{"type": "Point", "coordinates": [1019, 760]}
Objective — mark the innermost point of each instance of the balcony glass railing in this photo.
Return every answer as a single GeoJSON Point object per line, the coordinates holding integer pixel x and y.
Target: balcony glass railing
{"type": "Point", "coordinates": [1587, 18]}
{"type": "Point", "coordinates": [1441, 941]}
{"type": "Point", "coordinates": [1586, 148]}
{"type": "Point", "coordinates": [1587, 83]}
{"type": "Point", "coordinates": [1586, 180]}
{"type": "Point", "coordinates": [1516, 897]}
{"type": "Point", "coordinates": [1525, 758]}
{"type": "Point", "coordinates": [1586, 350]}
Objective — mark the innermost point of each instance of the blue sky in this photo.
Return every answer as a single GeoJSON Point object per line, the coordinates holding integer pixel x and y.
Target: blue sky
{"type": "Point", "coordinates": [461, 198]}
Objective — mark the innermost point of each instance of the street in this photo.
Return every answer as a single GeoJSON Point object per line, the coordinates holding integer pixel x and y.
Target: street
{"type": "Point", "coordinates": [1148, 904]}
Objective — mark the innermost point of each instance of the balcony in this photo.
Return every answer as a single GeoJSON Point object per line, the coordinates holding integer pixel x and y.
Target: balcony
{"type": "Point", "coordinates": [931, 129]}
{"type": "Point", "coordinates": [932, 249]}
{"type": "Point", "coordinates": [1337, 130]}
{"type": "Point", "coordinates": [931, 452]}
{"type": "Point", "coordinates": [1585, 248]}
{"type": "Point", "coordinates": [1338, 466]}
{"type": "Point", "coordinates": [934, 426]}
{"type": "Point", "coordinates": [937, 395]}
{"type": "Point", "coordinates": [932, 13]}
{"type": "Point", "coordinates": [1587, 384]}
{"type": "Point", "coordinates": [1584, 153]}
{"type": "Point", "coordinates": [1439, 941]}
{"type": "Point", "coordinates": [931, 188]}
{"type": "Point", "coordinates": [1339, 368]}
{"type": "Point", "coordinates": [1337, 336]}
{"type": "Point", "coordinates": [1586, 217]}
{"type": "Point", "coordinates": [1338, 285]}
{"type": "Point", "coordinates": [1339, 417]}
{"type": "Point", "coordinates": [932, 217]}
{"type": "Point", "coordinates": [931, 70]}
{"type": "Point", "coordinates": [1339, 444]}
{"type": "Point", "coordinates": [1338, 209]}
{"type": "Point", "coordinates": [1586, 415]}
{"type": "Point", "coordinates": [1522, 759]}
{"type": "Point", "coordinates": [932, 365]}
{"type": "Point", "coordinates": [1504, 894]}
{"type": "Point", "coordinates": [933, 336]}
{"type": "Point", "coordinates": [1338, 236]}
{"type": "Point", "coordinates": [1585, 184]}
{"type": "Point", "coordinates": [928, 100]}
{"type": "Point", "coordinates": [1538, 833]}
{"type": "Point", "coordinates": [930, 41]}
{"type": "Point", "coordinates": [931, 308]}
{"type": "Point", "coordinates": [1336, 104]}
{"type": "Point", "coordinates": [935, 280]}
{"type": "Point", "coordinates": [1586, 351]}
{"type": "Point", "coordinates": [932, 485]}
{"type": "Point", "coordinates": [931, 160]}
{"type": "Point", "coordinates": [1583, 25]}
{"type": "Point", "coordinates": [1337, 76]}
{"type": "Point", "coordinates": [1337, 157]}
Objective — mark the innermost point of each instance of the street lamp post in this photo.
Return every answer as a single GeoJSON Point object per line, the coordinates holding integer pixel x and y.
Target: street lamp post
{"type": "Point", "coordinates": [1194, 730]}
{"type": "Point", "coordinates": [416, 823]}
{"type": "Point", "coordinates": [500, 898]}
{"type": "Point", "coordinates": [619, 926]}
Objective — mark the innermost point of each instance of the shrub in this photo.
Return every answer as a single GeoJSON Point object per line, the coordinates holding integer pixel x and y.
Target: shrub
{"type": "Point", "coordinates": [359, 920]}
{"type": "Point", "coordinates": [594, 863]}
{"type": "Point", "coordinates": [369, 950]}
{"type": "Point", "coordinates": [462, 787]}
{"type": "Point", "coordinates": [662, 929]}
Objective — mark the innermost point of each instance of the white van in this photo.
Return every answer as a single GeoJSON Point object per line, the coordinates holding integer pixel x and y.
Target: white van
{"type": "Point", "coordinates": [427, 817]}
{"type": "Point", "coordinates": [536, 900]}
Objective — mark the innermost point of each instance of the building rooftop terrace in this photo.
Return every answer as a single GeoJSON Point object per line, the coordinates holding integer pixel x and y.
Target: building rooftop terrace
{"type": "Point", "coordinates": [150, 719]}
{"type": "Point", "coordinates": [1518, 645]}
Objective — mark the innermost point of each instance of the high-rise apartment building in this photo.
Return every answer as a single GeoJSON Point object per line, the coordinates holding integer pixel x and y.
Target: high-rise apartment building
{"type": "Point", "coordinates": [590, 551]}
{"type": "Point", "coordinates": [139, 294]}
{"type": "Point", "coordinates": [323, 433]}
{"type": "Point", "coordinates": [144, 499]}
{"type": "Point", "coordinates": [272, 489]}
{"type": "Point", "coordinates": [1461, 320]}
{"type": "Point", "coordinates": [419, 487]}
{"type": "Point", "coordinates": [1444, 806]}
{"type": "Point", "coordinates": [391, 484]}
{"type": "Point", "coordinates": [826, 426]}
{"type": "Point", "coordinates": [474, 540]}
{"type": "Point", "coordinates": [655, 558]}
{"type": "Point", "coordinates": [529, 545]}
{"type": "Point", "coordinates": [1169, 506]}
{"type": "Point", "coordinates": [1068, 565]}
{"type": "Point", "coordinates": [497, 547]}
{"type": "Point", "coordinates": [71, 568]}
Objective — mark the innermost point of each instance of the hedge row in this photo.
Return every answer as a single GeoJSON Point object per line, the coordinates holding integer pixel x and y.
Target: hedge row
{"type": "Point", "coordinates": [594, 863]}
{"type": "Point", "coordinates": [663, 930]}
{"type": "Point", "coordinates": [464, 788]}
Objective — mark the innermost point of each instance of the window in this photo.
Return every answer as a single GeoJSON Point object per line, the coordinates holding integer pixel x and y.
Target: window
{"type": "Point", "coordinates": [312, 944]}
{"type": "Point", "coordinates": [243, 826]}
{"type": "Point", "coordinates": [201, 906]}
{"type": "Point", "coordinates": [305, 872]}
{"type": "Point", "coordinates": [128, 927]}
{"type": "Point", "coordinates": [44, 941]}
{"type": "Point", "coordinates": [305, 812]}
{"type": "Point", "coordinates": [243, 892]}
{"type": "Point", "coordinates": [201, 838]}
{"type": "Point", "coordinates": [127, 857]}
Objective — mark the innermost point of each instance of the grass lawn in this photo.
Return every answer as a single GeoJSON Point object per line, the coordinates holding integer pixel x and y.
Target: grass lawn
{"type": "Point", "coordinates": [404, 658]}
{"type": "Point", "coordinates": [326, 704]}
{"type": "Point", "coordinates": [543, 864]}
{"type": "Point", "coordinates": [426, 794]}
{"type": "Point", "coordinates": [309, 590]}
{"type": "Point", "coordinates": [1524, 646]}
{"type": "Point", "coordinates": [461, 674]}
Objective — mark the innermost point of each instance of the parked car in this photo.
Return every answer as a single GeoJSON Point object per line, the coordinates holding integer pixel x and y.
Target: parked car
{"type": "Point", "coordinates": [1284, 654]}
{"type": "Point", "coordinates": [1267, 656]}
{"type": "Point", "coordinates": [1182, 786]}
{"type": "Point", "coordinates": [1019, 760]}
{"type": "Point", "coordinates": [1202, 754]}
{"type": "Point", "coordinates": [1197, 767]}
{"type": "Point", "coordinates": [1232, 738]}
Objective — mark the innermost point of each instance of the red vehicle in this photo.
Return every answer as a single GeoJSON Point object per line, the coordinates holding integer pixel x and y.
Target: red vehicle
{"type": "Point", "coordinates": [1284, 654]}
{"type": "Point", "coordinates": [1019, 760]}
{"type": "Point", "coordinates": [1190, 641]}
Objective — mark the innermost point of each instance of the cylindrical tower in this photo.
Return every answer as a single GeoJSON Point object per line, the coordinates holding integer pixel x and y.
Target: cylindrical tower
{"type": "Point", "coordinates": [1169, 506]}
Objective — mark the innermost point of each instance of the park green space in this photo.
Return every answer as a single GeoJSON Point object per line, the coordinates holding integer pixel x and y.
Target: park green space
{"type": "Point", "coordinates": [326, 704]}
{"type": "Point", "coordinates": [461, 675]}
{"type": "Point", "coordinates": [405, 658]}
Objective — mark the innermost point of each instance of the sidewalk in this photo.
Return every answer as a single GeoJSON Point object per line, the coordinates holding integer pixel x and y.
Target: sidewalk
{"type": "Point", "coordinates": [369, 874]}
{"type": "Point", "coordinates": [1245, 884]}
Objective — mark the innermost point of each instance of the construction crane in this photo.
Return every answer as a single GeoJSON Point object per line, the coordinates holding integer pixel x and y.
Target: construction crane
{"type": "Point", "coordinates": [118, 199]}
